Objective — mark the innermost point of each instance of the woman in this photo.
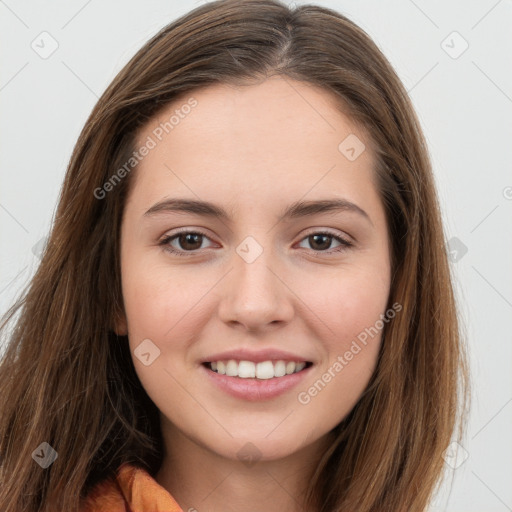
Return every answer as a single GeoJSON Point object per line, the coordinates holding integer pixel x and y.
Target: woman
{"type": "Point", "coordinates": [308, 357]}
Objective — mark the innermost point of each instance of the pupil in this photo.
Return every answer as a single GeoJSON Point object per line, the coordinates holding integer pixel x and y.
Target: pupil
{"type": "Point", "coordinates": [189, 238]}
{"type": "Point", "coordinates": [325, 237]}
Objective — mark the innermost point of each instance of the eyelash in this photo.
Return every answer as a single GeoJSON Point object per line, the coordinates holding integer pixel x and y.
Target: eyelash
{"type": "Point", "coordinates": [345, 244]}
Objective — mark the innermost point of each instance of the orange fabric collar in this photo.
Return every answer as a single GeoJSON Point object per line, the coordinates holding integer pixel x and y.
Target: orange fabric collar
{"type": "Point", "coordinates": [133, 490]}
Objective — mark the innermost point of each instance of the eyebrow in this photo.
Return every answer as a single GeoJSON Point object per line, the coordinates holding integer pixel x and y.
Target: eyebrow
{"type": "Point", "coordinates": [296, 210]}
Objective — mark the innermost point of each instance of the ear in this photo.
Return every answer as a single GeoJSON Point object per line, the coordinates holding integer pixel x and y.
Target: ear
{"type": "Point", "coordinates": [120, 324]}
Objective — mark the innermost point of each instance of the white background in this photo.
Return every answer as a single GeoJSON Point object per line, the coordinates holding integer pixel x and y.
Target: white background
{"type": "Point", "coordinates": [464, 105]}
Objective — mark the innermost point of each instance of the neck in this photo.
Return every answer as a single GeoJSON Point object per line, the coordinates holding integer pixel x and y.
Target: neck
{"type": "Point", "coordinates": [201, 480]}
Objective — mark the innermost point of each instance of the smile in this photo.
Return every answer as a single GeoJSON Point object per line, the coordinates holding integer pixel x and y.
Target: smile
{"type": "Point", "coordinates": [262, 370]}
{"type": "Point", "coordinates": [256, 382]}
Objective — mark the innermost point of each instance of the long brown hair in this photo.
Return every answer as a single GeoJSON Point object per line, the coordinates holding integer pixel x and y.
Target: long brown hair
{"type": "Point", "coordinates": [67, 379]}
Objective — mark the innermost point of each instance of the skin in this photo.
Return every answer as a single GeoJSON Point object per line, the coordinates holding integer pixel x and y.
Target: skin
{"type": "Point", "coordinates": [253, 150]}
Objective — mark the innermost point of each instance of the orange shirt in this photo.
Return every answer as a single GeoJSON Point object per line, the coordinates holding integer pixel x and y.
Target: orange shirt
{"type": "Point", "coordinates": [134, 490]}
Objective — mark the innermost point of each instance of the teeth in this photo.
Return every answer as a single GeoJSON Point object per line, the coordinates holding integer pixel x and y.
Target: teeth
{"type": "Point", "coordinates": [232, 368]}
{"type": "Point", "coordinates": [299, 367]}
{"type": "Point", "coordinates": [250, 370]}
{"type": "Point", "coordinates": [246, 370]}
{"type": "Point", "coordinates": [265, 370]}
{"type": "Point", "coordinates": [279, 369]}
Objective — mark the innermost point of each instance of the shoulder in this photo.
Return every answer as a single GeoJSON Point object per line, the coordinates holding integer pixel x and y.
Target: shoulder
{"type": "Point", "coordinates": [105, 496]}
{"type": "Point", "coordinates": [132, 490]}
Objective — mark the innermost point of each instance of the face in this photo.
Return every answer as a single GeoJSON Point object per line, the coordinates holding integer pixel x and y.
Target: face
{"type": "Point", "coordinates": [264, 273]}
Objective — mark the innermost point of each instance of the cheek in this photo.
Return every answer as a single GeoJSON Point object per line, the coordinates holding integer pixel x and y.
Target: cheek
{"type": "Point", "coordinates": [359, 310]}
{"type": "Point", "coordinates": [347, 302]}
{"type": "Point", "coordinates": [159, 307]}
{"type": "Point", "coordinates": [350, 308]}
{"type": "Point", "coordinates": [156, 299]}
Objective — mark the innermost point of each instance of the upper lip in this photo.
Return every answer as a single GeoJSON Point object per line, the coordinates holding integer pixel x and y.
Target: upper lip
{"type": "Point", "coordinates": [257, 356]}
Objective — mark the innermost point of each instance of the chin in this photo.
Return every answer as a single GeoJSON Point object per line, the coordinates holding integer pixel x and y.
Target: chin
{"type": "Point", "coordinates": [260, 447]}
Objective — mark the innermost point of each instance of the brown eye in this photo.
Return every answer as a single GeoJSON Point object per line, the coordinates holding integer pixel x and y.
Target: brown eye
{"type": "Point", "coordinates": [321, 242]}
{"type": "Point", "coordinates": [190, 241]}
{"type": "Point", "coordinates": [183, 242]}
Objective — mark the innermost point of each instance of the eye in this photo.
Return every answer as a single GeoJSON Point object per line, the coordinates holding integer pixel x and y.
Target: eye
{"type": "Point", "coordinates": [320, 242]}
{"type": "Point", "coordinates": [188, 241]}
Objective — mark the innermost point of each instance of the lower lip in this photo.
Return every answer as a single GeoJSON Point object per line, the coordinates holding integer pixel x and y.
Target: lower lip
{"type": "Point", "coordinates": [256, 390]}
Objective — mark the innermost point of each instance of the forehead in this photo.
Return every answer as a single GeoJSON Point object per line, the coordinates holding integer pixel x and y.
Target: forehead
{"type": "Point", "coordinates": [279, 134]}
{"type": "Point", "coordinates": [266, 115]}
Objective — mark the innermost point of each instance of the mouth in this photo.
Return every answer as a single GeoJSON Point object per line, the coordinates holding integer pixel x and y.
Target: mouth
{"type": "Point", "coordinates": [263, 370]}
{"type": "Point", "coordinates": [252, 381]}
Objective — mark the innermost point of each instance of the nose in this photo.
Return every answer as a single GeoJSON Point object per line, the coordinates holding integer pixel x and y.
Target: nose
{"type": "Point", "coordinates": [255, 296]}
